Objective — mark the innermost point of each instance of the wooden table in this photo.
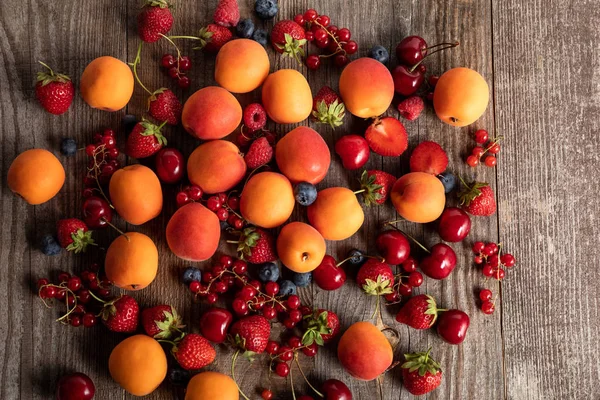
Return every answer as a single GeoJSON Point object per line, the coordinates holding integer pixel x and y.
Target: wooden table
{"type": "Point", "coordinates": [542, 62]}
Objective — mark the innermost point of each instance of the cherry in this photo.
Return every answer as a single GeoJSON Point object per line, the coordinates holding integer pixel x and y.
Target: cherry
{"type": "Point", "coordinates": [336, 390]}
{"type": "Point", "coordinates": [440, 262]}
{"type": "Point", "coordinates": [214, 324]}
{"type": "Point", "coordinates": [488, 307]}
{"type": "Point", "coordinates": [407, 81]}
{"type": "Point", "coordinates": [393, 246]}
{"type": "Point", "coordinates": [485, 295]}
{"type": "Point", "coordinates": [454, 224]}
{"type": "Point", "coordinates": [353, 150]}
{"type": "Point", "coordinates": [328, 275]}
{"type": "Point", "coordinates": [452, 326]}
{"type": "Point", "coordinates": [411, 50]}
{"type": "Point", "coordinates": [96, 212]}
{"type": "Point", "coordinates": [170, 165]}
{"type": "Point", "coordinates": [313, 61]}
{"type": "Point", "coordinates": [75, 386]}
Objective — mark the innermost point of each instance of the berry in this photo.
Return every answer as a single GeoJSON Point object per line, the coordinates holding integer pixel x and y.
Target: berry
{"type": "Point", "coordinates": [227, 13]}
{"type": "Point", "coordinates": [311, 350]}
{"type": "Point", "coordinates": [488, 307]}
{"type": "Point", "coordinates": [494, 149]}
{"type": "Point", "coordinates": [477, 198]}
{"type": "Point", "coordinates": [392, 297]}
{"type": "Point", "coordinates": [421, 374]}
{"type": "Point", "coordinates": [387, 137]}
{"type": "Point", "coordinates": [508, 260]}
{"type": "Point", "coordinates": [411, 107]}
{"type": "Point", "coordinates": [420, 312]}
{"type": "Point", "coordinates": [481, 136]}
{"type": "Point", "coordinates": [310, 15]}
{"type": "Point", "coordinates": [165, 106]}
{"type": "Point", "coordinates": [428, 157]}
{"type": "Point", "coordinates": [213, 37]}
{"type": "Point", "coordinates": [145, 140]}
{"type": "Point", "coordinates": [415, 279]}
{"type": "Point", "coordinates": [256, 246]}
{"type": "Point", "coordinates": [261, 36]}
{"type": "Point", "coordinates": [301, 279]}
{"type": "Point", "coordinates": [266, 394]}
{"type": "Point", "coordinates": [55, 92]}
{"type": "Point", "coordinates": [213, 203]}
{"type": "Point", "coordinates": [325, 21]}
{"type": "Point", "coordinates": [161, 322]}
{"type": "Point", "coordinates": [313, 61]}
{"type": "Point", "coordinates": [405, 290]}
{"type": "Point", "coordinates": [74, 283]}
{"type": "Point", "coordinates": [222, 214]}
{"type": "Point", "coordinates": [299, 19]}
{"type": "Point", "coordinates": [179, 376]}
{"type": "Point", "coordinates": [380, 54]}
{"type": "Point", "coordinates": [49, 246]}
{"type": "Point", "coordinates": [73, 235]}
{"type": "Point", "coordinates": [485, 295]}
{"type": "Point", "coordinates": [271, 288]}
{"type": "Point", "coordinates": [287, 288]}
{"type": "Point", "coordinates": [266, 9]}
{"type": "Point", "coordinates": [154, 20]}
{"type": "Point", "coordinates": [409, 265]}
{"type": "Point", "coordinates": [68, 147]}
{"type": "Point", "coordinates": [288, 38]}
{"type": "Point", "coordinates": [320, 34]}
{"type": "Point", "coordinates": [433, 80]}
{"type": "Point", "coordinates": [269, 312]}
{"type": "Point", "coordinates": [268, 272]}
{"type": "Point", "coordinates": [245, 28]}
{"type": "Point", "coordinates": [488, 270]}
{"type": "Point", "coordinates": [251, 333]}
{"type": "Point", "coordinates": [356, 257]}
{"type": "Point", "coordinates": [340, 60]}
{"type": "Point", "coordinates": [322, 326]}
{"type": "Point", "coordinates": [182, 199]}
{"type": "Point", "coordinates": [183, 82]}
{"type": "Point", "coordinates": [282, 369]}
{"type": "Point", "coordinates": [293, 302]}
{"type": "Point", "coordinates": [343, 34]}
{"type": "Point", "coordinates": [350, 47]}
{"type": "Point", "coordinates": [259, 154]}
{"type": "Point", "coordinates": [490, 161]}
{"type": "Point", "coordinates": [194, 352]}
{"type": "Point", "coordinates": [377, 186]}
{"type": "Point", "coordinates": [305, 193]}
{"type": "Point", "coordinates": [449, 181]}
{"type": "Point", "coordinates": [328, 107]}
{"type": "Point", "coordinates": [121, 314]}
{"type": "Point", "coordinates": [89, 320]}
{"type": "Point", "coordinates": [167, 61]}
{"type": "Point", "coordinates": [255, 116]}
{"type": "Point", "coordinates": [478, 247]}
{"type": "Point", "coordinates": [285, 353]}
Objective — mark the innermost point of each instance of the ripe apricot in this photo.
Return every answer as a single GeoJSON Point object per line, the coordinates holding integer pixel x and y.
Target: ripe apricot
{"type": "Point", "coordinates": [303, 156]}
{"type": "Point", "coordinates": [211, 386]}
{"type": "Point", "coordinates": [193, 232]}
{"type": "Point", "coordinates": [300, 247]}
{"type": "Point", "coordinates": [131, 261]}
{"type": "Point", "coordinates": [107, 84]}
{"type": "Point", "coordinates": [419, 197]}
{"type": "Point", "coordinates": [211, 113]}
{"type": "Point", "coordinates": [241, 66]}
{"type": "Point", "coordinates": [216, 166]}
{"type": "Point", "coordinates": [36, 175]}
{"type": "Point", "coordinates": [136, 194]}
{"type": "Point", "coordinates": [367, 87]}
{"type": "Point", "coordinates": [138, 364]}
{"type": "Point", "coordinates": [267, 200]}
{"type": "Point", "coordinates": [336, 213]}
{"type": "Point", "coordinates": [287, 97]}
{"type": "Point", "coordinates": [461, 96]}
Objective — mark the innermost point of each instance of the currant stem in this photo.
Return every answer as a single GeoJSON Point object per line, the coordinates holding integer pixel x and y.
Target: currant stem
{"type": "Point", "coordinates": [183, 37]}
{"type": "Point", "coordinates": [136, 62]}
{"type": "Point", "coordinates": [331, 35]}
{"type": "Point", "coordinates": [292, 383]}
{"type": "Point", "coordinates": [233, 360]}
{"type": "Point", "coordinates": [96, 297]}
{"type": "Point", "coordinates": [176, 48]}
{"type": "Point", "coordinates": [306, 379]}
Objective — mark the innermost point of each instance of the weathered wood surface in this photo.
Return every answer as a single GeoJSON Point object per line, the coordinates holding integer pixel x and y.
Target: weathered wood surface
{"type": "Point", "coordinates": [541, 59]}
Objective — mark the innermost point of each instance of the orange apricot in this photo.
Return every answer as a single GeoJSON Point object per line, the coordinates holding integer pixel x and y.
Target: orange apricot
{"type": "Point", "coordinates": [211, 385]}
{"type": "Point", "coordinates": [287, 97]}
{"type": "Point", "coordinates": [216, 166]}
{"type": "Point", "coordinates": [267, 200]}
{"type": "Point", "coordinates": [303, 156]}
{"type": "Point", "coordinates": [336, 213]}
{"type": "Point", "coordinates": [193, 232]}
{"type": "Point", "coordinates": [300, 247]}
{"type": "Point", "coordinates": [107, 84]}
{"type": "Point", "coordinates": [418, 197]}
{"type": "Point", "coordinates": [211, 113]}
{"type": "Point", "coordinates": [136, 194]}
{"type": "Point", "coordinates": [131, 261]}
{"type": "Point", "coordinates": [241, 66]}
{"type": "Point", "coordinates": [36, 175]}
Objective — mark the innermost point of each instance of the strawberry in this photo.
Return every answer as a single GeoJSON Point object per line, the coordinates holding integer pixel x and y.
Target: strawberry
{"type": "Point", "coordinates": [251, 334]}
{"type": "Point", "coordinates": [145, 140]}
{"type": "Point", "coordinates": [256, 246]}
{"type": "Point", "coordinates": [376, 186]}
{"type": "Point", "coordinates": [328, 107]}
{"type": "Point", "coordinates": [289, 38]}
{"type": "Point", "coordinates": [213, 37]}
{"type": "Point", "coordinates": [193, 352]}
{"type": "Point", "coordinates": [121, 314]}
{"type": "Point", "coordinates": [54, 91]}
{"type": "Point", "coordinates": [387, 137]}
{"type": "Point", "coordinates": [419, 312]}
{"type": "Point", "coordinates": [321, 327]}
{"type": "Point", "coordinates": [163, 105]}
{"type": "Point", "coordinates": [428, 157]}
{"type": "Point", "coordinates": [375, 277]}
{"type": "Point", "coordinates": [477, 198]}
{"type": "Point", "coordinates": [154, 20]}
{"type": "Point", "coordinates": [411, 108]}
{"type": "Point", "coordinates": [227, 13]}
{"type": "Point", "coordinates": [73, 235]}
{"type": "Point", "coordinates": [161, 322]}
{"type": "Point", "coordinates": [259, 154]}
{"type": "Point", "coordinates": [421, 373]}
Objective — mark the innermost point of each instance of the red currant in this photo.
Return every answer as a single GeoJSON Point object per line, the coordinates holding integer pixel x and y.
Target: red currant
{"type": "Point", "coordinates": [409, 265]}
{"type": "Point", "coordinates": [272, 347]}
{"type": "Point", "coordinates": [89, 320]}
{"type": "Point", "coordinates": [320, 35]}
{"type": "Point", "coordinates": [222, 214]}
{"type": "Point", "coordinates": [269, 312]}
{"type": "Point", "coordinates": [295, 316]}
{"type": "Point", "coordinates": [299, 19]}
{"type": "Point", "coordinates": [392, 297]}
{"type": "Point", "coordinates": [333, 29]}
{"type": "Point", "coordinates": [64, 277]}
{"type": "Point", "coordinates": [433, 80]}
{"type": "Point", "coordinates": [182, 199]}
{"type": "Point", "coordinates": [294, 342]}
{"type": "Point", "coordinates": [481, 136]}
{"type": "Point", "coordinates": [491, 248]}
{"type": "Point", "coordinates": [313, 61]}
{"type": "Point", "coordinates": [75, 321]}
{"type": "Point", "coordinates": [49, 292]}
{"type": "Point", "coordinates": [220, 287]}
{"type": "Point", "coordinates": [266, 394]}
{"type": "Point", "coordinates": [42, 282]}
{"type": "Point", "coordinates": [84, 296]}
{"type": "Point", "coordinates": [310, 350]}
{"type": "Point", "coordinates": [487, 270]}
{"type": "Point", "coordinates": [478, 247]}
{"type": "Point", "coordinates": [494, 149]}
{"type": "Point", "coordinates": [415, 279]}
{"type": "Point", "coordinates": [183, 82]}
{"type": "Point", "coordinates": [293, 302]}
{"type": "Point", "coordinates": [478, 260]}
{"type": "Point", "coordinates": [310, 15]}
{"type": "Point", "coordinates": [194, 286]}
{"type": "Point", "coordinates": [74, 283]}
{"type": "Point", "coordinates": [240, 267]}
{"type": "Point", "coordinates": [485, 294]}
{"type": "Point", "coordinates": [322, 43]}
{"type": "Point", "coordinates": [194, 192]}
{"type": "Point", "coordinates": [344, 34]}
{"type": "Point", "coordinates": [405, 290]}
{"type": "Point", "coordinates": [213, 203]}
{"type": "Point", "coordinates": [324, 20]}
{"type": "Point", "coordinates": [212, 298]}
{"type": "Point", "coordinates": [289, 324]}
{"type": "Point", "coordinates": [184, 63]}
{"type": "Point", "coordinates": [472, 161]}
{"type": "Point", "coordinates": [490, 161]}
{"type": "Point", "coordinates": [488, 307]}
{"type": "Point", "coordinates": [351, 47]}
{"type": "Point", "coordinates": [285, 353]}
{"type": "Point", "coordinates": [478, 151]}
{"type": "Point", "coordinates": [282, 369]}
{"type": "Point", "coordinates": [499, 274]}
{"type": "Point", "coordinates": [508, 260]}
{"type": "Point", "coordinates": [233, 202]}
{"type": "Point", "coordinates": [79, 309]}
{"type": "Point", "coordinates": [173, 72]}
{"type": "Point", "coordinates": [240, 307]}
{"type": "Point", "coordinates": [271, 288]}
{"type": "Point", "coordinates": [167, 61]}
{"type": "Point", "coordinates": [340, 60]}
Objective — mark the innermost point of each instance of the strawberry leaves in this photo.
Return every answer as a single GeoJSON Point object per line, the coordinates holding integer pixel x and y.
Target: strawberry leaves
{"type": "Point", "coordinates": [171, 323]}
{"type": "Point", "coordinates": [153, 130]}
{"type": "Point", "coordinates": [422, 362]}
{"type": "Point", "coordinates": [81, 239]}
{"type": "Point", "coordinates": [332, 114]}
{"type": "Point", "coordinates": [45, 77]}
{"type": "Point", "coordinates": [470, 192]}
{"type": "Point", "coordinates": [377, 288]}
{"type": "Point", "coordinates": [293, 48]}
{"type": "Point", "coordinates": [372, 190]}
{"type": "Point", "coordinates": [316, 328]}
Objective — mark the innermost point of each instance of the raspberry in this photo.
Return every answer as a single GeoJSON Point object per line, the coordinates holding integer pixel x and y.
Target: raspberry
{"type": "Point", "coordinates": [255, 116]}
{"type": "Point", "coordinates": [411, 108]}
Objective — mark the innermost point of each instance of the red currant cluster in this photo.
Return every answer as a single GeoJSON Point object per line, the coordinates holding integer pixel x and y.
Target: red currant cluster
{"type": "Point", "coordinates": [405, 282]}
{"type": "Point", "coordinates": [225, 206]}
{"type": "Point", "coordinates": [82, 295]}
{"type": "Point", "coordinates": [488, 306]}
{"type": "Point", "coordinates": [485, 147]}
{"type": "Point", "coordinates": [102, 161]}
{"type": "Point", "coordinates": [336, 41]}
{"type": "Point", "coordinates": [282, 354]}
{"type": "Point", "coordinates": [488, 255]}
{"type": "Point", "coordinates": [176, 67]}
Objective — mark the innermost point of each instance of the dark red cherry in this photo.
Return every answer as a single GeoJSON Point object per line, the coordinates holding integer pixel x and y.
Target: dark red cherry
{"type": "Point", "coordinates": [440, 262]}
{"type": "Point", "coordinates": [452, 326]}
{"type": "Point", "coordinates": [407, 82]}
{"type": "Point", "coordinates": [170, 165]}
{"type": "Point", "coordinates": [336, 390]}
{"type": "Point", "coordinates": [75, 386]}
{"type": "Point", "coordinates": [214, 324]}
{"type": "Point", "coordinates": [411, 50]}
{"type": "Point", "coordinates": [393, 246]}
{"type": "Point", "coordinates": [353, 150]}
{"type": "Point", "coordinates": [454, 224]}
{"type": "Point", "coordinates": [96, 212]}
{"type": "Point", "coordinates": [329, 275]}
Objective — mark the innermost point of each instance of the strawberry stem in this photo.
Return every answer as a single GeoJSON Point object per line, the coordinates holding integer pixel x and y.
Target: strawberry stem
{"type": "Point", "coordinates": [233, 360]}
{"type": "Point", "coordinates": [306, 379]}
{"type": "Point", "coordinates": [96, 297]}
{"type": "Point", "coordinates": [136, 62]}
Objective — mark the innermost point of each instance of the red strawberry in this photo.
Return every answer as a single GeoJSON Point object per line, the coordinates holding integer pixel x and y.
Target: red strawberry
{"type": "Point", "coordinates": [256, 246]}
{"type": "Point", "coordinates": [194, 352]}
{"type": "Point", "coordinates": [121, 314]}
{"type": "Point", "coordinates": [54, 91]}
{"type": "Point", "coordinates": [421, 373]}
{"type": "Point", "coordinates": [259, 154]}
{"type": "Point", "coordinates": [154, 20]}
{"type": "Point", "coordinates": [419, 312]}
{"type": "Point", "coordinates": [328, 107]}
{"type": "Point", "coordinates": [163, 105]}
{"type": "Point", "coordinates": [321, 327]}
{"type": "Point", "coordinates": [477, 198]}
{"type": "Point", "coordinates": [428, 157]}
{"type": "Point", "coordinates": [411, 108]}
{"type": "Point", "coordinates": [213, 37]}
{"type": "Point", "coordinates": [145, 140]}
{"type": "Point", "coordinates": [289, 38]}
{"type": "Point", "coordinates": [161, 322]}
{"type": "Point", "coordinates": [376, 186]}
{"type": "Point", "coordinates": [375, 277]}
{"type": "Point", "coordinates": [387, 137]}
{"type": "Point", "coordinates": [251, 333]}
{"type": "Point", "coordinates": [227, 13]}
{"type": "Point", "coordinates": [73, 235]}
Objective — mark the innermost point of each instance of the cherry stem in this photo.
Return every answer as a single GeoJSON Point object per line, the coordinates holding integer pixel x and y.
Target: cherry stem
{"type": "Point", "coordinates": [407, 235]}
{"type": "Point", "coordinates": [116, 229]}
{"type": "Point", "coordinates": [438, 45]}
{"type": "Point", "coordinates": [306, 379]}
{"type": "Point", "coordinates": [233, 360]}
{"type": "Point", "coordinates": [343, 261]}
{"type": "Point", "coordinates": [136, 62]}
{"type": "Point", "coordinates": [449, 46]}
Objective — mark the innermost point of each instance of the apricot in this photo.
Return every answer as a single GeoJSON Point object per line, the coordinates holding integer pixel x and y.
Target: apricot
{"type": "Point", "coordinates": [211, 386]}
{"type": "Point", "coordinates": [107, 84]}
{"type": "Point", "coordinates": [287, 97]}
{"type": "Point", "coordinates": [241, 66]}
{"type": "Point", "coordinates": [300, 247]}
{"type": "Point", "coordinates": [36, 175]}
{"type": "Point", "coordinates": [419, 197]}
{"type": "Point", "coordinates": [136, 194]}
{"type": "Point", "coordinates": [303, 156]}
{"type": "Point", "coordinates": [336, 213]}
{"type": "Point", "coordinates": [267, 200]}
{"type": "Point", "coordinates": [367, 87]}
{"type": "Point", "coordinates": [211, 113]}
{"type": "Point", "coordinates": [193, 232]}
{"type": "Point", "coordinates": [138, 364]}
{"type": "Point", "coordinates": [461, 96]}
{"type": "Point", "coordinates": [131, 261]}
{"type": "Point", "coordinates": [216, 166]}
{"type": "Point", "coordinates": [364, 351]}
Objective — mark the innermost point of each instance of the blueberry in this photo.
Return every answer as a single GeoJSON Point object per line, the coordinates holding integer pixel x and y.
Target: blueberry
{"type": "Point", "coordinates": [260, 36]}
{"type": "Point", "coordinates": [448, 180]}
{"type": "Point", "coordinates": [68, 147]}
{"type": "Point", "coordinates": [379, 53]}
{"type": "Point", "coordinates": [268, 272]}
{"type": "Point", "coordinates": [302, 280]}
{"type": "Point", "coordinates": [49, 246]}
{"type": "Point", "coordinates": [245, 28]}
{"type": "Point", "coordinates": [305, 193]}
{"type": "Point", "coordinates": [224, 225]}
{"type": "Point", "coordinates": [355, 257]}
{"type": "Point", "coordinates": [179, 376]}
{"type": "Point", "coordinates": [266, 9]}
{"type": "Point", "coordinates": [191, 274]}
{"type": "Point", "coordinates": [128, 122]}
{"type": "Point", "coordinates": [287, 288]}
